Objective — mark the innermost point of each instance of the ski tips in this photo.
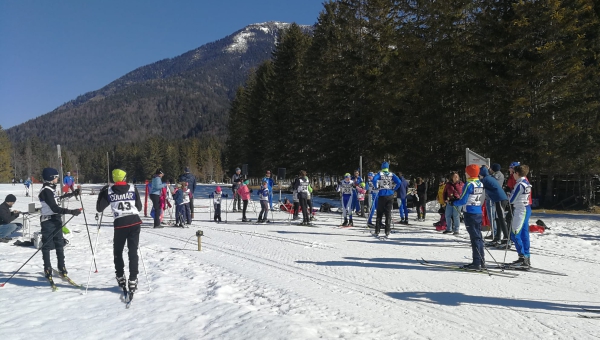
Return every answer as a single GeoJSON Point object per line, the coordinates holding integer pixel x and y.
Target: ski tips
{"type": "Point", "coordinates": [1, 285]}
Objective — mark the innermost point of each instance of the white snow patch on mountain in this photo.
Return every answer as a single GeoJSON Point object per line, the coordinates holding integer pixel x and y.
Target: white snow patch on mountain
{"type": "Point", "coordinates": [240, 42]}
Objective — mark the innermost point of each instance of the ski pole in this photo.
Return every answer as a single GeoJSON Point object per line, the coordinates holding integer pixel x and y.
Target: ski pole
{"type": "Point", "coordinates": [37, 251]}
{"type": "Point", "coordinates": [94, 252]}
{"type": "Point", "coordinates": [144, 265]}
{"type": "Point", "coordinates": [510, 230]}
{"type": "Point", "coordinates": [88, 230]}
{"type": "Point", "coordinates": [481, 257]}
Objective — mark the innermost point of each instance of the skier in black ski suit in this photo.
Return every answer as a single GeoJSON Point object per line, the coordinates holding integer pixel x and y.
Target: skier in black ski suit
{"type": "Point", "coordinates": [51, 222]}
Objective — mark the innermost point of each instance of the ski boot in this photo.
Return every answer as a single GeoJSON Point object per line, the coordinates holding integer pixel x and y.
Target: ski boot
{"type": "Point", "coordinates": [472, 266]}
{"type": "Point", "coordinates": [520, 260]}
{"type": "Point", "coordinates": [351, 223]}
{"type": "Point", "coordinates": [244, 219]}
{"type": "Point", "coordinates": [48, 273]}
{"type": "Point", "coordinates": [132, 285]}
{"type": "Point", "coordinates": [63, 272]}
{"type": "Point", "coordinates": [345, 222]}
{"type": "Point", "coordinates": [525, 264]}
{"type": "Point", "coordinates": [312, 218]}
{"type": "Point", "coordinates": [121, 281]}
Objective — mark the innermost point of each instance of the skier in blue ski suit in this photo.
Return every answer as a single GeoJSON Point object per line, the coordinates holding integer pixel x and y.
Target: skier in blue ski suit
{"type": "Point", "coordinates": [346, 187]}
{"type": "Point", "coordinates": [401, 195]}
{"type": "Point", "coordinates": [519, 199]}
{"type": "Point", "coordinates": [357, 180]}
{"type": "Point", "coordinates": [387, 182]}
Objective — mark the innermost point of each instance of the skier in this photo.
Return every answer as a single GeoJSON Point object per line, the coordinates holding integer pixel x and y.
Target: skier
{"type": "Point", "coordinates": [387, 182]}
{"type": "Point", "coordinates": [182, 205]}
{"type": "Point", "coordinates": [263, 193]}
{"type": "Point", "coordinates": [69, 182]}
{"type": "Point", "coordinates": [360, 192]}
{"type": "Point", "coordinates": [372, 193]}
{"type": "Point", "coordinates": [125, 203]}
{"type": "Point", "coordinates": [156, 190]}
{"type": "Point", "coordinates": [190, 179]}
{"type": "Point", "coordinates": [309, 202]}
{"type": "Point", "coordinates": [497, 201]}
{"type": "Point", "coordinates": [236, 181]}
{"type": "Point", "coordinates": [271, 183]}
{"type": "Point", "coordinates": [519, 198]}
{"type": "Point", "coordinates": [244, 194]}
{"type": "Point", "coordinates": [401, 194]}
{"type": "Point", "coordinates": [51, 222]}
{"type": "Point", "coordinates": [301, 186]}
{"type": "Point", "coordinates": [421, 204]}
{"type": "Point", "coordinates": [27, 185]}
{"type": "Point", "coordinates": [441, 224]}
{"type": "Point", "coordinates": [346, 188]}
{"type": "Point", "coordinates": [357, 180]}
{"type": "Point", "coordinates": [217, 196]}
{"type": "Point", "coordinates": [472, 196]}
{"type": "Point", "coordinates": [296, 206]}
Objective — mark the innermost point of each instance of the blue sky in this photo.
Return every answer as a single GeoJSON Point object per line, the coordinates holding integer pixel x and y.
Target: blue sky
{"type": "Point", "coordinates": [53, 51]}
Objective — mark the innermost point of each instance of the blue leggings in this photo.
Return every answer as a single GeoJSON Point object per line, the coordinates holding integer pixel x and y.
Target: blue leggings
{"type": "Point", "coordinates": [373, 207]}
{"type": "Point", "coordinates": [520, 231]}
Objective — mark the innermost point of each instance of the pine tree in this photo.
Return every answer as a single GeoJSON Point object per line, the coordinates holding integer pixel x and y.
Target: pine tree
{"type": "Point", "coordinates": [5, 156]}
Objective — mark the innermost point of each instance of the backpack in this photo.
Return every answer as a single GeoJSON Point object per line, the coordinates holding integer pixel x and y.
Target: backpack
{"type": "Point", "coordinates": [325, 207]}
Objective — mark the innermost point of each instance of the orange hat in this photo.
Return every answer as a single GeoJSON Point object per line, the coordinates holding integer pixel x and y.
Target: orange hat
{"type": "Point", "coordinates": [472, 170]}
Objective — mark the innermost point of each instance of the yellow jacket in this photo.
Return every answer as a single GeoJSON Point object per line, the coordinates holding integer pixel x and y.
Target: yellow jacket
{"type": "Point", "coordinates": [440, 195]}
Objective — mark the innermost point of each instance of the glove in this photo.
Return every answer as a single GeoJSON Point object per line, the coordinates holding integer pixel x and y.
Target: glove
{"type": "Point", "coordinates": [77, 192]}
{"type": "Point", "coordinates": [75, 212]}
{"type": "Point", "coordinates": [250, 190]}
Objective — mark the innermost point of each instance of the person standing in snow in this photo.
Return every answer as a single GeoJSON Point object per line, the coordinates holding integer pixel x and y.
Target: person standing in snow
{"type": "Point", "coordinates": [372, 193]}
{"type": "Point", "coordinates": [519, 198]}
{"type": "Point", "coordinates": [125, 203]}
{"type": "Point", "coordinates": [357, 180]}
{"type": "Point", "coordinates": [387, 182]}
{"type": "Point", "coordinates": [236, 182]}
{"type": "Point", "coordinates": [155, 192]}
{"type": "Point", "coordinates": [421, 204]}
{"type": "Point", "coordinates": [69, 182]}
{"type": "Point", "coordinates": [271, 184]}
{"type": "Point", "coordinates": [27, 186]}
{"type": "Point", "coordinates": [401, 194]}
{"type": "Point", "coordinates": [452, 192]}
{"type": "Point", "coordinates": [51, 221]}
{"type": "Point", "coordinates": [263, 194]}
{"type": "Point", "coordinates": [497, 202]}
{"type": "Point", "coordinates": [244, 192]}
{"type": "Point", "coordinates": [217, 196]}
{"type": "Point", "coordinates": [346, 188]}
{"type": "Point", "coordinates": [190, 179]}
{"type": "Point", "coordinates": [473, 196]}
{"type": "Point", "coordinates": [301, 186]}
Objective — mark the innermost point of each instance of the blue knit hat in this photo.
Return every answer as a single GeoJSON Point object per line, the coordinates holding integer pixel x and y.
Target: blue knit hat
{"type": "Point", "coordinates": [385, 165]}
{"type": "Point", "coordinates": [496, 167]}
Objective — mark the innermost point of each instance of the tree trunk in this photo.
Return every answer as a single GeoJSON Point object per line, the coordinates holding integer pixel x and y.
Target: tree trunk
{"type": "Point", "coordinates": [549, 199]}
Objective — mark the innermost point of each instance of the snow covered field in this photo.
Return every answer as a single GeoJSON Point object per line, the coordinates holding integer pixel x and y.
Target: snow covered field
{"type": "Point", "coordinates": [280, 281]}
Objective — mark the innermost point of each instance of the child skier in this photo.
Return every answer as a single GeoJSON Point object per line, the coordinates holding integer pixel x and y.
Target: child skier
{"type": "Point", "coordinates": [441, 224]}
{"type": "Point", "coordinates": [244, 193]}
{"type": "Point", "coordinates": [519, 198]}
{"type": "Point", "coordinates": [182, 205]}
{"type": "Point", "coordinates": [472, 197]}
{"type": "Point", "coordinates": [263, 193]}
{"type": "Point", "coordinates": [216, 196]}
{"type": "Point", "coordinates": [361, 196]}
{"type": "Point", "coordinates": [124, 201]}
{"type": "Point", "coordinates": [346, 188]}
{"type": "Point", "coordinates": [51, 222]}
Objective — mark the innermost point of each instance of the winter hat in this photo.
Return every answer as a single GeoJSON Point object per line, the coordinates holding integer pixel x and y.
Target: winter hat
{"type": "Point", "coordinates": [118, 175]}
{"type": "Point", "coordinates": [483, 171]}
{"type": "Point", "coordinates": [362, 184]}
{"type": "Point", "coordinates": [10, 198]}
{"type": "Point", "coordinates": [472, 170]}
{"type": "Point", "coordinates": [218, 189]}
{"type": "Point", "coordinates": [159, 172]}
{"type": "Point", "coordinates": [187, 169]}
{"type": "Point", "coordinates": [347, 175]}
{"type": "Point", "coordinates": [49, 174]}
{"type": "Point", "coordinates": [370, 174]}
{"type": "Point", "coordinates": [385, 165]}
{"type": "Point", "coordinates": [514, 164]}
{"type": "Point", "coordinates": [237, 169]}
{"type": "Point", "coordinates": [496, 167]}
{"type": "Point", "coordinates": [246, 182]}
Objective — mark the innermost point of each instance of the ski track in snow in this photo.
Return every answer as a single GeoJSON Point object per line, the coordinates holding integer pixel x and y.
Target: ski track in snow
{"type": "Point", "coordinates": [281, 281]}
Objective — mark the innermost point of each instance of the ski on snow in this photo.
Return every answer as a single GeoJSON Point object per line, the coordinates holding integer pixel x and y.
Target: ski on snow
{"type": "Point", "coordinates": [508, 266]}
{"type": "Point", "coordinates": [67, 278]}
{"type": "Point", "coordinates": [458, 268]}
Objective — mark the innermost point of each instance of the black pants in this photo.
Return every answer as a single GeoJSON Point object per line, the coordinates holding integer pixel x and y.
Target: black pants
{"type": "Point", "coordinates": [157, 210]}
{"type": "Point", "coordinates": [473, 226]}
{"type": "Point", "coordinates": [421, 205]}
{"type": "Point", "coordinates": [217, 212]}
{"type": "Point", "coordinates": [385, 204]}
{"type": "Point", "coordinates": [192, 206]}
{"type": "Point", "coordinates": [52, 238]}
{"type": "Point", "coordinates": [310, 208]}
{"type": "Point", "coordinates": [501, 221]}
{"type": "Point", "coordinates": [245, 206]}
{"type": "Point", "coordinates": [132, 236]}
{"type": "Point", "coordinates": [304, 204]}
{"type": "Point", "coordinates": [296, 208]}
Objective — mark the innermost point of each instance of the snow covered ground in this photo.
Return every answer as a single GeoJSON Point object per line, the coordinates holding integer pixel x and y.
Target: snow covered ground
{"type": "Point", "coordinates": [280, 281]}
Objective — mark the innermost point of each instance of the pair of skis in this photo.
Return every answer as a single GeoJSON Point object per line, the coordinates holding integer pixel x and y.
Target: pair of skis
{"type": "Point", "coordinates": [592, 310]}
{"type": "Point", "coordinates": [65, 278]}
{"type": "Point", "coordinates": [490, 272]}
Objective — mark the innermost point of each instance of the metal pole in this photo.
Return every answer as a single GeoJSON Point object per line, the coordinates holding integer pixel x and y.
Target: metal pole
{"type": "Point", "coordinates": [62, 203]}
{"type": "Point", "coordinates": [107, 170]}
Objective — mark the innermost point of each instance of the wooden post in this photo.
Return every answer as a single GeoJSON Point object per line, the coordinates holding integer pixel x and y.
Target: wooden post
{"type": "Point", "coordinates": [199, 234]}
